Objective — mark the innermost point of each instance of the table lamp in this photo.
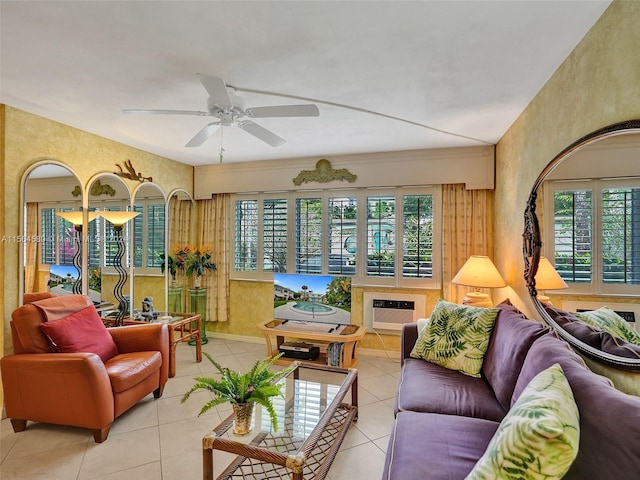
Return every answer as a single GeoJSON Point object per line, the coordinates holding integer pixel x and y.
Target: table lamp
{"type": "Point", "coordinates": [547, 278]}
{"type": "Point", "coordinates": [479, 272]}
{"type": "Point", "coordinates": [75, 218]}
{"type": "Point", "coordinates": [118, 220]}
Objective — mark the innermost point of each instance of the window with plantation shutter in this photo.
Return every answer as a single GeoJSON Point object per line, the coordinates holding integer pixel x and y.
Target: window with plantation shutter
{"type": "Point", "coordinates": [417, 236]}
{"type": "Point", "coordinates": [343, 235]}
{"type": "Point", "coordinates": [381, 234]}
{"type": "Point", "coordinates": [595, 234]}
{"type": "Point", "coordinates": [246, 235]}
{"type": "Point", "coordinates": [49, 235]}
{"type": "Point", "coordinates": [573, 227]}
{"type": "Point", "coordinates": [621, 235]}
{"type": "Point", "coordinates": [309, 235]}
{"type": "Point", "coordinates": [58, 244]}
{"type": "Point", "coordinates": [148, 231]}
{"type": "Point", "coordinates": [274, 235]}
{"type": "Point", "coordinates": [376, 236]}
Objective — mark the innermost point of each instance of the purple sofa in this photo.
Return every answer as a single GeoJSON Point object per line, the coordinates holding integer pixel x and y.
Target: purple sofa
{"type": "Point", "coordinates": [444, 419]}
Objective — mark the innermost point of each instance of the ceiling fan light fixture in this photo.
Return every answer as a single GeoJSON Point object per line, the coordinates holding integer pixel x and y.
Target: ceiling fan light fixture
{"type": "Point", "coordinates": [229, 108]}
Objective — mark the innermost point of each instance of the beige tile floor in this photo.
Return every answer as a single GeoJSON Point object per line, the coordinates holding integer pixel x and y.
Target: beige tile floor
{"type": "Point", "coordinates": [161, 439]}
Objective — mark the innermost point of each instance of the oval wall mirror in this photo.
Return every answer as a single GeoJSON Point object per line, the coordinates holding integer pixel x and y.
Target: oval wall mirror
{"type": "Point", "coordinates": [108, 245]}
{"type": "Point", "coordinates": [148, 248]}
{"type": "Point", "coordinates": [48, 189]}
{"type": "Point", "coordinates": [583, 215]}
{"type": "Point", "coordinates": [181, 228]}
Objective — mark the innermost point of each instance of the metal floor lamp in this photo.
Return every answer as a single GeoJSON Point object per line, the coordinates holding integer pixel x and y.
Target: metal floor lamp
{"type": "Point", "coordinates": [118, 220]}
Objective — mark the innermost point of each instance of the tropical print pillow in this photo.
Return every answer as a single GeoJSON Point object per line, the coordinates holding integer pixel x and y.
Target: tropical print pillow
{"type": "Point", "coordinates": [609, 321]}
{"type": "Point", "coordinates": [538, 438]}
{"type": "Point", "coordinates": [456, 337]}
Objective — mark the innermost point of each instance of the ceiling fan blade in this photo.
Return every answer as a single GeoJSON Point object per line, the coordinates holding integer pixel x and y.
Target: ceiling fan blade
{"type": "Point", "coordinates": [261, 133]}
{"type": "Point", "coordinates": [283, 111]}
{"type": "Point", "coordinates": [203, 134]}
{"type": "Point", "coordinates": [133, 111]}
{"type": "Point", "coordinates": [217, 90]}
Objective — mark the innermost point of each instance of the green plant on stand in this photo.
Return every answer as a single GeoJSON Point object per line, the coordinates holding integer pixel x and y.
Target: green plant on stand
{"type": "Point", "coordinates": [197, 262]}
{"type": "Point", "coordinates": [258, 385]}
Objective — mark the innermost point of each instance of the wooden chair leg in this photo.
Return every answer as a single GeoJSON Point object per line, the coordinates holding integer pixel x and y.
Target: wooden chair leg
{"type": "Point", "coordinates": [157, 393]}
{"type": "Point", "coordinates": [100, 434]}
{"type": "Point", "coordinates": [18, 425]}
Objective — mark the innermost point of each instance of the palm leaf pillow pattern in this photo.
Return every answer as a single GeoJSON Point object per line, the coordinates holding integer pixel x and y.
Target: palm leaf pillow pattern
{"type": "Point", "coordinates": [606, 319]}
{"type": "Point", "coordinates": [456, 337]}
{"type": "Point", "coordinates": [538, 438]}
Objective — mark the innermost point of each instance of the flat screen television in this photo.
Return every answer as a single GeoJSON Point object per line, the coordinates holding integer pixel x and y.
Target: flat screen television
{"type": "Point", "coordinates": [308, 298]}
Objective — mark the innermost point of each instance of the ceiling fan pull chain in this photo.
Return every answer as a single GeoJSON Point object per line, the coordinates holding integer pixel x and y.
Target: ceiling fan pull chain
{"type": "Point", "coordinates": [221, 147]}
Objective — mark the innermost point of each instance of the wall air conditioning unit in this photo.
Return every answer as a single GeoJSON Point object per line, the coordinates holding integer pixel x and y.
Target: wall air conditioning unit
{"type": "Point", "coordinates": [392, 314]}
{"type": "Point", "coordinates": [390, 311]}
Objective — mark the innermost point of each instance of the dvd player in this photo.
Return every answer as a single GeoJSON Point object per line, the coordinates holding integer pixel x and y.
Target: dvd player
{"type": "Point", "coordinates": [299, 350]}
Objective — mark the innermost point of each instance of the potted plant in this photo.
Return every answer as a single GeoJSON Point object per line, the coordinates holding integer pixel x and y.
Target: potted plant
{"type": "Point", "coordinates": [257, 385]}
{"type": "Point", "coordinates": [170, 265]}
{"type": "Point", "coordinates": [196, 263]}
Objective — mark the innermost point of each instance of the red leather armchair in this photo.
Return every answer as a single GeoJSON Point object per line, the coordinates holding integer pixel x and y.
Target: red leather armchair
{"type": "Point", "coordinates": [79, 389]}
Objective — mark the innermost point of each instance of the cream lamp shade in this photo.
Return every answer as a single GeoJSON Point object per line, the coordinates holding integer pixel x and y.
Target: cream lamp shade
{"type": "Point", "coordinates": [75, 217]}
{"type": "Point", "coordinates": [547, 278]}
{"type": "Point", "coordinates": [118, 219]}
{"type": "Point", "coordinates": [479, 272]}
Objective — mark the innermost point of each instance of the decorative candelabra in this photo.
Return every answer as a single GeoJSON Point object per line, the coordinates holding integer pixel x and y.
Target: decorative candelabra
{"type": "Point", "coordinates": [118, 220]}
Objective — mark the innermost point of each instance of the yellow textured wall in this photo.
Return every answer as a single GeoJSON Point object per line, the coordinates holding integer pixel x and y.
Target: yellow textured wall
{"type": "Point", "coordinates": [597, 85]}
{"type": "Point", "coordinates": [29, 139]}
{"type": "Point", "coordinates": [3, 308]}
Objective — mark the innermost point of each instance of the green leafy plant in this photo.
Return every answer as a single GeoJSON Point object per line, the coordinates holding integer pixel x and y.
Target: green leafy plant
{"type": "Point", "coordinates": [196, 261]}
{"type": "Point", "coordinates": [174, 262]}
{"type": "Point", "coordinates": [257, 385]}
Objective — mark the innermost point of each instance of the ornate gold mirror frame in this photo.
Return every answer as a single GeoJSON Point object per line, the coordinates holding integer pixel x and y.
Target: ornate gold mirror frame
{"type": "Point", "coordinates": [532, 241]}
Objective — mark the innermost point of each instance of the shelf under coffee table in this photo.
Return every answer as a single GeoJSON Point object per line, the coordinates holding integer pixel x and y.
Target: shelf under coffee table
{"type": "Point", "coordinates": [313, 419]}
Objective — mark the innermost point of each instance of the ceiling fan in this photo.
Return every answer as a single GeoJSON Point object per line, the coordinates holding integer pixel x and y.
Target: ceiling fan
{"type": "Point", "coordinates": [229, 109]}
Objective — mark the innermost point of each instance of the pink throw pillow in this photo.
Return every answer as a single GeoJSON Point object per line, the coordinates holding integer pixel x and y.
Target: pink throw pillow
{"type": "Point", "coordinates": [82, 331]}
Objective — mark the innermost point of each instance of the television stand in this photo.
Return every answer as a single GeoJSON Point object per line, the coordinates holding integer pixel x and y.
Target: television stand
{"type": "Point", "coordinates": [348, 335]}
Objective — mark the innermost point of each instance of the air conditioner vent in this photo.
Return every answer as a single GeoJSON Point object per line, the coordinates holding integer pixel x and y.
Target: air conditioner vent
{"type": "Point", "coordinates": [389, 312]}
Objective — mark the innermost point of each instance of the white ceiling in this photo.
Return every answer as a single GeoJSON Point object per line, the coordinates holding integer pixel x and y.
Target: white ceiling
{"type": "Point", "coordinates": [464, 67]}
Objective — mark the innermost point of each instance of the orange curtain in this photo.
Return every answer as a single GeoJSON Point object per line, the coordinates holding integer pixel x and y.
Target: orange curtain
{"type": "Point", "coordinates": [31, 249]}
{"type": "Point", "coordinates": [467, 230]}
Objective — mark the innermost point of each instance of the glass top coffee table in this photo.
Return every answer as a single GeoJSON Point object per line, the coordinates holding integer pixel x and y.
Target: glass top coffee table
{"type": "Point", "coordinates": [313, 419]}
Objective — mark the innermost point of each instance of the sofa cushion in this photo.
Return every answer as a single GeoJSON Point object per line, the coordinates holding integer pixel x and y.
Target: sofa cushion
{"type": "Point", "coordinates": [512, 336]}
{"type": "Point", "coordinates": [592, 336]}
{"type": "Point", "coordinates": [427, 387]}
{"type": "Point", "coordinates": [456, 337]}
{"type": "Point", "coordinates": [429, 446]}
{"type": "Point", "coordinates": [128, 369]}
{"type": "Point", "coordinates": [539, 437]}
{"type": "Point", "coordinates": [82, 331]}
{"type": "Point", "coordinates": [609, 321]}
{"type": "Point", "coordinates": [599, 438]}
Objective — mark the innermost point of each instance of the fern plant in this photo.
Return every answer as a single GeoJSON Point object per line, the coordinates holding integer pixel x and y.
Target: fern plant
{"type": "Point", "coordinates": [257, 385]}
